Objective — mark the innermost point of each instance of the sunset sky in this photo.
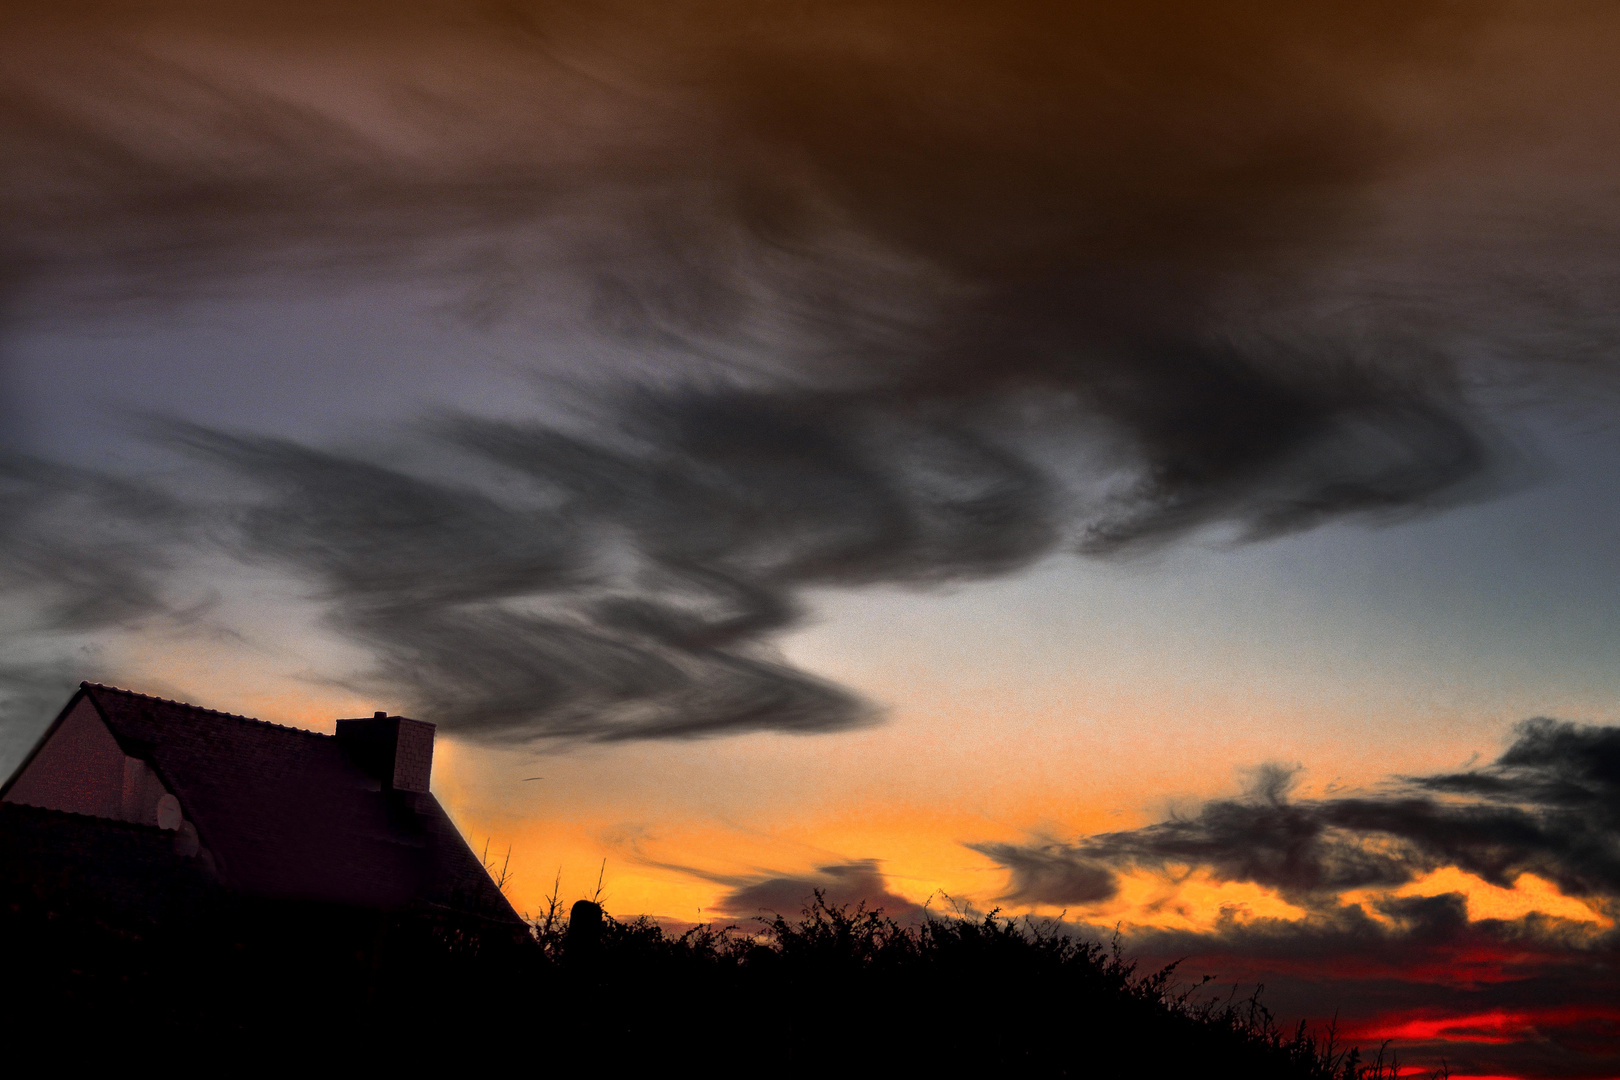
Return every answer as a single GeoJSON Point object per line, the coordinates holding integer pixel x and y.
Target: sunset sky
{"type": "Point", "coordinates": [1153, 465]}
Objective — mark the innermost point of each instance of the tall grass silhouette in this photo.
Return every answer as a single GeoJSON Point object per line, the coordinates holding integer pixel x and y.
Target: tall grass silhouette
{"type": "Point", "coordinates": [835, 991]}
{"type": "Point", "coordinates": [843, 988]}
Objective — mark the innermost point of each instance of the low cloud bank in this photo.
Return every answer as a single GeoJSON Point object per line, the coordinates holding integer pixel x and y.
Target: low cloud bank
{"type": "Point", "coordinates": [1531, 996]}
{"type": "Point", "coordinates": [1549, 805]}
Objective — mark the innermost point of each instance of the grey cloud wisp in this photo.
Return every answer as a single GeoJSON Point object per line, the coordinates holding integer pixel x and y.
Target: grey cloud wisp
{"type": "Point", "coordinates": [925, 292]}
{"type": "Point", "coordinates": [851, 883]}
{"type": "Point", "coordinates": [1549, 805]}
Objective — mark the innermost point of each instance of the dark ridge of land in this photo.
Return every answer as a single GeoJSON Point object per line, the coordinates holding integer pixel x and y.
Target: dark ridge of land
{"type": "Point", "coordinates": [230, 982]}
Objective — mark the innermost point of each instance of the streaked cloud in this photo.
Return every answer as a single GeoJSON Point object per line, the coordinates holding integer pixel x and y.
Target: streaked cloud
{"type": "Point", "coordinates": [911, 308]}
{"type": "Point", "coordinates": [1546, 806]}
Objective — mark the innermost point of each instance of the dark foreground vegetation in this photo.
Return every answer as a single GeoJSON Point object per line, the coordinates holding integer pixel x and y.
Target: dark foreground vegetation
{"type": "Point", "coordinates": [218, 981]}
{"type": "Point", "coordinates": [839, 990]}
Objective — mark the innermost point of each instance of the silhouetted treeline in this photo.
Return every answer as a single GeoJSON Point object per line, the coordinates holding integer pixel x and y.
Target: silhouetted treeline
{"type": "Point", "coordinates": [837, 991]}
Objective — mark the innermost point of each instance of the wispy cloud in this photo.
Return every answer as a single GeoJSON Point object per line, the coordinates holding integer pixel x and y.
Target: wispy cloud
{"type": "Point", "coordinates": [1546, 806]}
{"type": "Point", "coordinates": [915, 307]}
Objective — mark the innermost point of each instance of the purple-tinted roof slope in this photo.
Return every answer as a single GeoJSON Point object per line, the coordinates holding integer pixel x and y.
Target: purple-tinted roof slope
{"type": "Point", "coordinates": [286, 812]}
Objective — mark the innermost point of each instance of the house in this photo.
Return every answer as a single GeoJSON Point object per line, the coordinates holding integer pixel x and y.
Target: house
{"type": "Point", "coordinates": [144, 792]}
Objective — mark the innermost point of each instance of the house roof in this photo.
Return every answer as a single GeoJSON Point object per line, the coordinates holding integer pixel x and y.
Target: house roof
{"type": "Point", "coordinates": [286, 812]}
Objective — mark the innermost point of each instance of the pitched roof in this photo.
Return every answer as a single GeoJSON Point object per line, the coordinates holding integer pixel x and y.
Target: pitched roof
{"type": "Point", "coordinates": [285, 812]}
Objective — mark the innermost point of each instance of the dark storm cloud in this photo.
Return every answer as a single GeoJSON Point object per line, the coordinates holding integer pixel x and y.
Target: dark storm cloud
{"type": "Point", "coordinates": [932, 290]}
{"type": "Point", "coordinates": [529, 617]}
{"type": "Point", "coordinates": [557, 586]}
{"type": "Point", "coordinates": [1547, 806]}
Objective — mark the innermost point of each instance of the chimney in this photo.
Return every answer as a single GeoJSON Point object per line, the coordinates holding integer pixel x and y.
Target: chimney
{"type": "Point", "coordinates": [394, 749]}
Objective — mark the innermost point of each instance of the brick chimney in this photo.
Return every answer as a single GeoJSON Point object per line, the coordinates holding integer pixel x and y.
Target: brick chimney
{"type": "Point", "coordinates": [394, 749]}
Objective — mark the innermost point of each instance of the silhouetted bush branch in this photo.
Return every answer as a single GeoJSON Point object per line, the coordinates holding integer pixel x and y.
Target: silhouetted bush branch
{"type": "Point", "coordinates": [837, 991]}
{"type": "Point", "coordinates": [848, 987]}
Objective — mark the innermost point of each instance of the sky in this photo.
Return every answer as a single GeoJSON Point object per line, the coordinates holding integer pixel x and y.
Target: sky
{"type": "Point", "coordinates": [1150, 466]}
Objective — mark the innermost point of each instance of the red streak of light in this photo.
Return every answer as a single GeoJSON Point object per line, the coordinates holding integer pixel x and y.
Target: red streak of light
{"type": "Point", "coordinates": [1493, 1027]}
{"type": "Point", "coordinates": [1489, 1027]}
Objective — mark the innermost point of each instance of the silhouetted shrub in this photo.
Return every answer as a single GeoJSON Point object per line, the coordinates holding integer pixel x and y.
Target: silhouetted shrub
{"type": "Point", "coordinates": [838, 991]}
{"type": "Point", "coordinates": [848, 990]}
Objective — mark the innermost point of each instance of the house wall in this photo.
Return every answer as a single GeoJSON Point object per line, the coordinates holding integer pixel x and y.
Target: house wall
{"type": "Point", "coordinates": [82, 769]}
{"type": "Point", "coordinates": [141, 794]}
